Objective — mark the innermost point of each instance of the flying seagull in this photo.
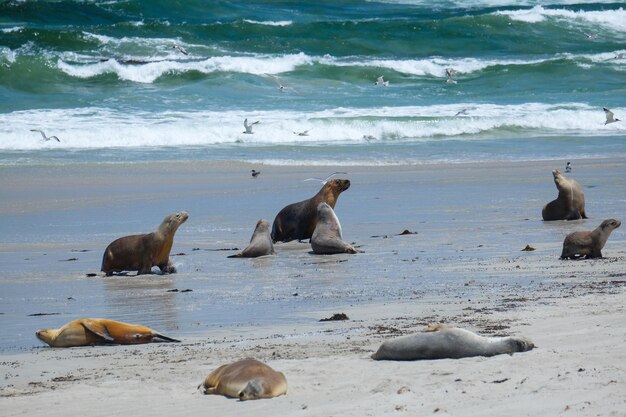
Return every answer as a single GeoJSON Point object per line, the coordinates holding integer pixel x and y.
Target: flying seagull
{"type": "Point", "coordinates": [590, 35]}
{"type": "Point", "coordinates": [43, 135]}
{"type": "Point", "coordinates": [180, 49]}
{"type": "Point", "coordinates": [324, 181]}
{"type": "Point", "coordinates": [281, 86]}
{"type": "Point", "coordinates": [254, 173]}
{"type": "Point", "coordinates": [248, 126]}
{"type": "Point", "coordinates": [303, 133]}
{"type": "Point", "coordinates": [462, 112]}
{"type": "Point", "coordinates": [609, 116]}
{"type": "Point", "coordinates": [450, 73]}
{"type": "Point", "coordinates": [381, 81]}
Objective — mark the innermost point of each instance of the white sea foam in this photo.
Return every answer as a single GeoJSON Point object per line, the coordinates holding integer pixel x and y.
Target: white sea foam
{"type": "Point", "coordinates": [102, 128]}
{"type": "Point", "coordinates": [12, 29]}
{"type": "Point", "coordinates": [610, 19]}
{"type": "Point", "coordinates": [269, 22]}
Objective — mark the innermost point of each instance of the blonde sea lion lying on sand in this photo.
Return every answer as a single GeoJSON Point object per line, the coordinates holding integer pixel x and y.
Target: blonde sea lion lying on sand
{"type": "Point", "coordinates": [260, 242]}
{"type": "Point", "coordinates": [141, 252]}
{"type": "Point", "coordinates": [247, 379]}
{"type": "Point", "coordinates": [298, 220]}
{"type": "Point", "coordinates": [569, 204]}
{"type": "Point", "coordinates": [89, 332]}
{"type": "Point", "coordinates": [588, 244]}
{"type": "Point", "coordinates": [441, 341]}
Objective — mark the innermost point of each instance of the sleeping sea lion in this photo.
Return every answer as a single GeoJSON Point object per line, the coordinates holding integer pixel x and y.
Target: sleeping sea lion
{"type": "Point", "coordinates": [327, 238]}
{"type": "Point", "coordinates": [441, 341]}
{"type": "Point", "coordinates": [569, 204]}
{"type": "Point", "coordinates": [588, 243]}
{"type": "Point", "coordinates": [247, 379]}
{"type": "Point", "coordinates": [141, 252]}
{"type": "Point", "coordinates": [260, 242]}
{"type": "Point", "coordinates": [89, 332]}
{"type": "Point", "coordinates": [298, 220]}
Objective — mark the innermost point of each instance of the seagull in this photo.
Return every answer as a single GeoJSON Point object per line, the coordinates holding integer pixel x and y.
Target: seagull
{"type": "Point", "coordinates": [568, 167]}
{"type": "Point", "coordinates": [381, 81]}
{"type": "Point", "coordinates": [591, 35]}
{"type": "Point", "coordinates": [43, 135]}
{"type": "Point", "coordinates": [609, 116]}
{"type": "Point", "coordinates": [619, 56]}
{"type": "Point", "coordinates": [450, 73]}
{"type": "Point", "coordinates": [324, 181]}
{"type": "Point", "coordinates": [462, 112]}
{"type": "Point", "coordinates": [281, 87]}
{"type": "Point", "coordinates": [303, 133]}
{"type": "Point", "coordinates": [248, 126]}
{"type": "Point", "coordinates": [181, 49]}
{"type": "Point", "coordinates": [254, 173]}
{"type": "Point", "coordinates": [368, 138]}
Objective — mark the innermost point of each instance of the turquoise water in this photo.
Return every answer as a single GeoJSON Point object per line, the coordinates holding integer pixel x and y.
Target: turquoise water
{"type": "Point", "coordinates": [531, 80]}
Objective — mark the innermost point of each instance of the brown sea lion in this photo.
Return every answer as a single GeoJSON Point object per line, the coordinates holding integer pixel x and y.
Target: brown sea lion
{"type": "Point", "coordinates": [588, 243]}
{"type": "Point", "coordinates": [141, 252]}
{"type": "Point", "coordinates": [298, 220]}
{"type": "Point", "coordinates": [441, 341]}
{"type": "Point", "coordinates": [327, 236]}
{"type": "Point", "coordinates": [247, 379]}
{"type": "Point", "coordinates": [260, 242]}
{"type": "Point", "coordinates": [569, 204]}
{"type": "Point", "coordinates": [89, 332]}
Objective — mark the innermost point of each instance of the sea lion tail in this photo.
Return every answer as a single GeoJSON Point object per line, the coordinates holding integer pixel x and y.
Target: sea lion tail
{"type": "Point", "coordinates": [165, 338]}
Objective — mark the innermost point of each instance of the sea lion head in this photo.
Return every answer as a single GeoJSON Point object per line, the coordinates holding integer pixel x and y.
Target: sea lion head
{"type": "Point", "coordinates": [252, 391]}
{"type": "Point", "coordinates": [262, 226]}
{"type": "Point", "coordinates": [521, 344]}
{"type": "Point", "coordinates": [173, 221]}
{"type": "Point", "coordinates": [46, 335]}
{"type": "Point", "coordinates": [610, 224]}
{"type": "Point", "coordinates": [338, 185]}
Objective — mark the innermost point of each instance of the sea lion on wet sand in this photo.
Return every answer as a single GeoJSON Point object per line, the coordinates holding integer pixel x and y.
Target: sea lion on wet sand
{"type": "Point", "coordinates": [588, 243]}
{"type": "Point", "coordinates": [441, 341]}
{"type": "Point", "coordinates": [89, 332]}
{"type": "Point", "coordinates": [327, 238]}
{"type": "Point", "coordinates": [298, 220]}
{"type": "Point", "coordinates": [569, 204]}
{"type": "Point", "coordinates": [260, 242]}
{"type": "Point", "coordinates": [247, 379]}
{"type": "Point", "coordinates": [141, 252]}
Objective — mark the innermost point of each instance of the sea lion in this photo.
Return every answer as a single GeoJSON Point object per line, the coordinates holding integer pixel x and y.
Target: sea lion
{"type": "Point", "coordinates": [569, 204]}
{"type": "Point", "coordinates": [260, 242]}
{"type": "Point", "coordinates": [89, 332]}
{"type": "Point", "coordinates": [327, 238]}
{"type": "Point", "coordinates": [441, 341]}
{"type": "Point", "coordinates": [141, 252]}
{"type": "Point", "coordinates": [298, 220]}
{"type": "Point", "coordinates": [246, 379]}
{"type": "Point", "coordinates": [588, 243]}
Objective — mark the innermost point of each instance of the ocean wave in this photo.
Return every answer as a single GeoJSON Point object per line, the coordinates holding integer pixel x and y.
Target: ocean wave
{"type": "Point", "coordinates": [611, 19]}
{"type": "Point", "coordinates": [103, 128]}
{"type": "Point", "coordinates": [269, 22]}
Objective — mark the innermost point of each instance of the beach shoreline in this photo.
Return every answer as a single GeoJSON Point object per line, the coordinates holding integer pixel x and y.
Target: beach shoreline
{"type": "Point", "coordinates": [464, 266]}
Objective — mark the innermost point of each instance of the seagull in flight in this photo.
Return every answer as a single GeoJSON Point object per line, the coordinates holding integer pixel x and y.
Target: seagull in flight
{"type": "Point", "coordinates": [450, 73]}
{"type": "Point", "coordinates": [254, 173]}
{"type": "Point", "coordinates": [325, 180]}
{"type": "Point", "coordinates": [462, 112]}
{"type": "Point", "coordinates": [609, 116]}
{"type": "Point", "coordinates": [590, 35]}
{"type": "Point", "coordinates": [180, 49]}
{"type": "Point", "coordinates": [248, 127]}
{"type": "Point", "coordinates": [303, 133]}
{"type": "Point", "coordinates": [380, 81]}
{"type": "Point", "coordinates": [281, 86]}
{"type": "Point", "coordinates": [43, 135]}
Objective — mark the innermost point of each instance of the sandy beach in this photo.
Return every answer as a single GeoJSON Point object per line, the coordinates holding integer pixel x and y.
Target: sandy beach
{"type": "Point", "coordinates": [464, 266]}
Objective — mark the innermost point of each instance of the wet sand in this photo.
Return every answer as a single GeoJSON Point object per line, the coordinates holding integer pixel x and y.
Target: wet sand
{"type": "Point", "coordinates": [464, 267]}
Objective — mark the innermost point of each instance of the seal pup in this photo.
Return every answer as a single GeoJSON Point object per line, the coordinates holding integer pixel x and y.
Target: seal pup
{"type": "Point", "coordinates": [569, 204]}
{"type": "Point", "coordinates": [298, 220]}
{"type": "Point", "coordinates": [89, 332]}
{"type": "Point", "coordinates": [610, 117]}
{"type": "Point", "coordinates": [248, 127]}
{"type": "Point", "coordinates": [441, 341]}
{"type": "Point", "coordinates": [141, 252]}
{"type": "Point", "coordinates": [246, 379]}
{"type": "Point", "coordinates": [327, 237]}
{"type": "Point", "coordinates": [254, 173]}
{"type": "Point", "coordinates": [260, 242]}
{"type": "Point", "coordinates": [588, 243]}
{"type": "Point", "coordinates": [43, 135]}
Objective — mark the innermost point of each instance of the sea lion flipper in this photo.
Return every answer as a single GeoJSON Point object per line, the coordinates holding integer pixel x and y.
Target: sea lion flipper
{"type": "Point", "coordinates": [165, 338]}
{"type": "Point", "coordinates": [573, 215]}
{"type": "Point", "coordinates": [98, 329]}
{"type": "Point", "coordinates": [237, 255]}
